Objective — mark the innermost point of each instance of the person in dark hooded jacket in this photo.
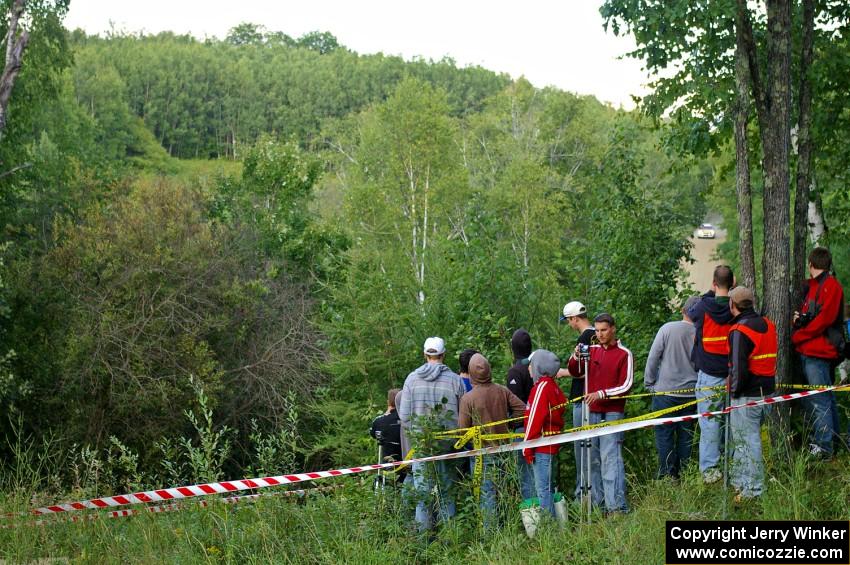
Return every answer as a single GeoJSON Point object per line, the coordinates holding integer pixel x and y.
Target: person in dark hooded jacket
{"type": "Point", "coordinates": [519, 379]}
{"type": "Point", "coordinates": [486, 403]}
{"type": "Point", "coordinates": [520, 383]}
{"type": "Point", "coordinates": [712, 319]}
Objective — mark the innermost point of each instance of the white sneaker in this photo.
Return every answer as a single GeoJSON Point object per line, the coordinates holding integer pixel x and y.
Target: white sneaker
{"type": "Point", "coordinates": [711, 475]}
{"type": "Point", "coordinates": [818, 452]}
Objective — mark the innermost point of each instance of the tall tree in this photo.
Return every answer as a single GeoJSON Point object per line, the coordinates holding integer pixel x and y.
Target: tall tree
{"type": "Point", "coordinates": [805, 177]}
{"type": "Point", "coordinates": [698, 39]}
{"type": "Point", "coordinates": [773, 108]}
{"type": "Point", "coordinates": [742, 152]}
{"type": "Point", "coordinates": [15, 44]}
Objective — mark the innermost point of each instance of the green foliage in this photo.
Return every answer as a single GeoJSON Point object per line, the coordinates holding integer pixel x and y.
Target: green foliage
{"type": "Point", "coordinates": [205, 460]}
{"type": "Point", "coordinates": [212, 98]}
{"type": "Point", "coordinates": [143, 293]}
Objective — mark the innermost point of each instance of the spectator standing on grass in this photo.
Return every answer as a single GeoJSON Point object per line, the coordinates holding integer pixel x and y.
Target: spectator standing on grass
{"type": "Point", "coordinates": [752, 371]}
{"type": "Point", "coordinates": [430, 403]}
{"type": "Point", "coordinates": [671, 375]}
{"type": "Point", "coordinates": [575, 314]}
{"type": "Point", "coordinates": [545, 414]}
{"type": "Point", "coordinates": [520, 383]}
{"type": "Point", "coordinates": [712, 318]}
{"type": "Point", "coordinates": [816, 335]}
{"type": "Point", "coordinates": [610, 374]}
{"type": "Point", "coordinates": [386, 428]}
{"type": "Point", "coordinates": [486, 403]}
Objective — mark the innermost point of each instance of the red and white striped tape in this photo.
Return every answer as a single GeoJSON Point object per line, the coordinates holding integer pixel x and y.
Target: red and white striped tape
{"type": "Point", "coordinates": [173, 507]}
{"type": "Point", "coordinates": [177, 493]}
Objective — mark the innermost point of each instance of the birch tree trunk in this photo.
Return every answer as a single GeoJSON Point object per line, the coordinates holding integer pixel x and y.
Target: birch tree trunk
{"type": "Point", "coordinates": [15, 45]}
{"type": "Point", "coordinates": [817, 225]}
{"type": "Point", "coordinates": [802, 203]}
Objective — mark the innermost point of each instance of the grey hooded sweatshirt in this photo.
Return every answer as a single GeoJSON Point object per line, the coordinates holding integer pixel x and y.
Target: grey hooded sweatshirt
{"type": "Point", "coordinates": [429, 386]}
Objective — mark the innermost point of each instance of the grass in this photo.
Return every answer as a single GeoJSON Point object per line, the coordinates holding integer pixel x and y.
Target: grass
{"type": "Point", "coordinates": [355, 525]}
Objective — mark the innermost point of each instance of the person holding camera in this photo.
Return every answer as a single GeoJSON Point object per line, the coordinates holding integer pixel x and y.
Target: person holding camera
{"type": "Point", "coordinates": [818, 337]}
{"type": "Point", "coordinates": [610, 373]}
{"type": "Point", "coordinates": [712, 319]}
{"type": "Point", "coordinates": [669, 368]}
{"type": "Point", "coordinates": [752, 370]}
{"type": "Point", "coordinates": [386, 428]}
{"type": "Point", "coordinates": [575, 314]}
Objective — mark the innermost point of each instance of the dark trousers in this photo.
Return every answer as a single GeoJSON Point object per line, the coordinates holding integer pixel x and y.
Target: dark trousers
{"type": "Point", "coordinates": [673, 441]}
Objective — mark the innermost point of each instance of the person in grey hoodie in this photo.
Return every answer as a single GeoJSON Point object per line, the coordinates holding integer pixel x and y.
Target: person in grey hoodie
{"type": "Point", "coordinates": [430, 402]}
{"type": "Point", "coordinates": [670, 367]}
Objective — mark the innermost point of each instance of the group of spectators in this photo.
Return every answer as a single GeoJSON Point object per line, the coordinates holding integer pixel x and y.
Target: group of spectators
{"type": "Point", "coordinates": [721, 348]}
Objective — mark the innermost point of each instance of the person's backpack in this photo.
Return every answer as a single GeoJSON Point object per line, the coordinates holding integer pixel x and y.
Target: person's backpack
{"type": "Point", "coordinates": [846, 341]}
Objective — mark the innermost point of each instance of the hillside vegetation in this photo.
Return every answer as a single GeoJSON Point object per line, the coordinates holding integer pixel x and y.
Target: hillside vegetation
{"type": "Point", "coordinates": [218, 255]}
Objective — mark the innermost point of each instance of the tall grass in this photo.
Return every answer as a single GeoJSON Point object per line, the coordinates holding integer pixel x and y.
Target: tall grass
{"type": "Point", "coordinates": [354, 524]}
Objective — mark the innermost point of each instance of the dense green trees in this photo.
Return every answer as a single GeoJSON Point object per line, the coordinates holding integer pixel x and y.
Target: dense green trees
{"type": "Point", "coordinates": [207, 99]}
{"type": "Point", "coordinates": [472, 227]}
{"type": "Point", "coordinates": [367, 203]}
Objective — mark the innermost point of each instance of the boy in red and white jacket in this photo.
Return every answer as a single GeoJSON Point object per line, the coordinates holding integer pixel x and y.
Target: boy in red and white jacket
{"type": "Point", "coordinates": [542, 416]}
{"type": "Point", "coordinates": [610, 375]}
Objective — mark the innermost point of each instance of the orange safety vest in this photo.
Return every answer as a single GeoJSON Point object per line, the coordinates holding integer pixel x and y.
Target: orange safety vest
{"type": "Point", "coordinates": [762, 361]}
{"type": "Point", "coordinates": [715, 337]}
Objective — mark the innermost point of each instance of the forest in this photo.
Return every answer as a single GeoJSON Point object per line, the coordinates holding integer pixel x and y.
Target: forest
{"type": "Point", "coordinates": [218, 255]}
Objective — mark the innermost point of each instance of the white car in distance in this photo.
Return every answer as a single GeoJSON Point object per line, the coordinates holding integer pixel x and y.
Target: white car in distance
{"type": "Point", "coordinates": [706, 231]}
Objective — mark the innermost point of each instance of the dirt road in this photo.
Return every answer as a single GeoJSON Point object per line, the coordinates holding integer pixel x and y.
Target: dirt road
{"type": "Point", "coordinates": [699, 273]}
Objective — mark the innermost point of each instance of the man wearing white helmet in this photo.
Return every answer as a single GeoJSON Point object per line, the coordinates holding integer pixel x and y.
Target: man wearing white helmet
{"type": "Point", "coordinates": [575, 314]}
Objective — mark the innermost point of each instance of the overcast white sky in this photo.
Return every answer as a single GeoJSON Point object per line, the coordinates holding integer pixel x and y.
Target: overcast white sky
{"type": "Point", "coordinates": [550, 42]}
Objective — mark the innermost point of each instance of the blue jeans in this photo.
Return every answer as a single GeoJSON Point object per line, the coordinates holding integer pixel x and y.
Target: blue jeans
{"type": "Point", "coordinates": [542, 468]}
{"type": "Point", "coordinates": [526, 477]}
{"type": "Point", "coordinates": [611, 470]}
{"type": "Point", "coordinates": [821, 408]}
{"type": "Point", "coordinates": [424, 475]}
{"type": "Point", "coordinates": [673, 442]}
{"type": "Point", "coordinates": [596, 493]}
{"type": "Point", "coordinates": [710, 429]}
{"type": "Point", "coordinates": [746, 472]}
{"type": "Point", "coordinates": [493, 466]}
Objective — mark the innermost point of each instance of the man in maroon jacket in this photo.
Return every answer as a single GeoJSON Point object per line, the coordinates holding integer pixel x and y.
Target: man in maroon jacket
{"type": "Point", "coordinates": [610, 374]}
{"type": "Point", "coordinates": [817, 325]}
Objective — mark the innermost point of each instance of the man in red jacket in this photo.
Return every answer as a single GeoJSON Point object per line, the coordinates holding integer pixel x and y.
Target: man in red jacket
{"type": "Point", "coordinates": [610, 374]}
{"type": "Point", "coordinates": [817, 325]}
{"type": "Point", "coordinates": [541, 416]}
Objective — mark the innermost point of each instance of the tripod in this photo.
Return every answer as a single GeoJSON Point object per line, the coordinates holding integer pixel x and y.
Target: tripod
{"type": "Point", "coordinates": [586, 444]}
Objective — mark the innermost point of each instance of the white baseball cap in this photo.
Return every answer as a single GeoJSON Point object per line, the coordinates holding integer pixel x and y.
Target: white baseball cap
{"type": "Point", "coordinates": [434, 346]}
{"type": "Point", "coordinates": [574, 308]}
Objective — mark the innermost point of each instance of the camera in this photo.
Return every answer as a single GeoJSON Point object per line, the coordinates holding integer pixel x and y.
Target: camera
{"type": "Point", "coordinates": [583, 352]}
{"type": "Point", "coordinates": [804, 319]}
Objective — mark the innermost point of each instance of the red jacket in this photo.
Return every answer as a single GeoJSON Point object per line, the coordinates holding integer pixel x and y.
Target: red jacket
{"type": "Point", "coordinates": [810, 340]}
{"type": "Point", "coordinates": [611, 372]}
{"type": "Point", "coordinates": [539, 416]}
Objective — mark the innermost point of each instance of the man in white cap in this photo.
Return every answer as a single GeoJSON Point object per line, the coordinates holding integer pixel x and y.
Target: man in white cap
{"type": "Point", "coordinates": [430, 402]}
{"type": "Point", "coordinates": [575, 314]}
